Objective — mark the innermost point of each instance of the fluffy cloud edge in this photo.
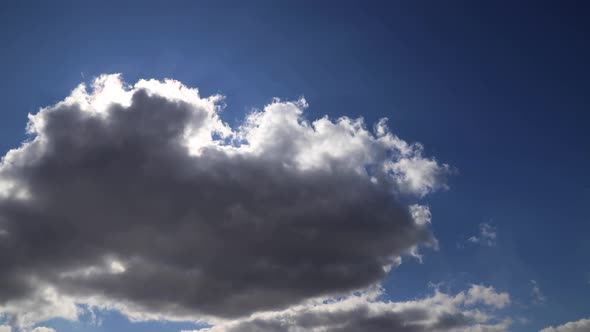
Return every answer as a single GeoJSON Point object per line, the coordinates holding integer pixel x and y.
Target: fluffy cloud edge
{"type": "Point", "coordinates": [582, 325]}
{"type": "Point", "coordinates": [471, 310]}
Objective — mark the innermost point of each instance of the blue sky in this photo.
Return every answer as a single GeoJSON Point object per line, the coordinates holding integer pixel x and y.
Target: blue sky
{"type": "Point", "coordinates": [499, 91]}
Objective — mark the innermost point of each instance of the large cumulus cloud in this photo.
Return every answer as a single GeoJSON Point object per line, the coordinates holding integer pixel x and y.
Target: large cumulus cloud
{"type": "Point", "coordinates": [142, 195]}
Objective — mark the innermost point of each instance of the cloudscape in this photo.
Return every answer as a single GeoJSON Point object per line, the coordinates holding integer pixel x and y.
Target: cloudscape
{"type": "Point", "coordinates": [293, 167]}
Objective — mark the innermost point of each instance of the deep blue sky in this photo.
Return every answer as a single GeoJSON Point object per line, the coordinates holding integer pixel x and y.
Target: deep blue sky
{"type": "Point", "coordinates": [499, 91]}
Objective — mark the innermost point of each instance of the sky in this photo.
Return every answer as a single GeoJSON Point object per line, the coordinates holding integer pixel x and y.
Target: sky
{"type": "Point", "coordinates": [226, 166]}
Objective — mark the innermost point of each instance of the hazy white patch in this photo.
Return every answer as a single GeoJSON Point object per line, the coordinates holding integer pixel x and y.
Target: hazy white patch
{"type": "Point", "coordinates": [537, 295]}
{"type": "Point", "coordinates": [117, 267]}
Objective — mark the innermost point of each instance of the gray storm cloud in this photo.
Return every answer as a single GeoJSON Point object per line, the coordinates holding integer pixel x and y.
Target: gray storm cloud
{"type": "Point", "coordinates": [142, 195]}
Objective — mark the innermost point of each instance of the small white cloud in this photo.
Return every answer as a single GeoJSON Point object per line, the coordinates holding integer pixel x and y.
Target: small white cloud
{"type": "Point", "coordinates": [421, 214]}
{"type": "Point", "coordinates": [487, 295]}
{"type": "Point", "coordinates": [486, 237]}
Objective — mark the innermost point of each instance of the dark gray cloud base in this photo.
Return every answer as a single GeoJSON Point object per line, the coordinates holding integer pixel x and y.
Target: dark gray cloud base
{"type": "Point", "coordinates": [111, 198]}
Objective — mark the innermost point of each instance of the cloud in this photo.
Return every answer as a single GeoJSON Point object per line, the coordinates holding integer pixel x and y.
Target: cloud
{"type": "Point", "coordinates": [42, 304]}
{"type": "Point", "coordinates": [536, 293]}
{"type": "Point", "coordinates": [5, 328]}
{"type": "Point", "coordinates": [583, 325]}
{"type": "Point", "coordinates": [43, 329]}
{"type": "Point", "coordinates": [486, 237]}
{"type": "Point", "coordinates": [141, 198]}
{"type": "Point", "coordinates": [488, 296]}
{"type": "Point", "coordinates": [365, 312]}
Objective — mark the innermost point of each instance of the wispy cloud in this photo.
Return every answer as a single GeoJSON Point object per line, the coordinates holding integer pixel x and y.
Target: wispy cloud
{"type": "Point", "coordinates": [537, 295]}
{"type": "Point", "coordinates": [486, 237]}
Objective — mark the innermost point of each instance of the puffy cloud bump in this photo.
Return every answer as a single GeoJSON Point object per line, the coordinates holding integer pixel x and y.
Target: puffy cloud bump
{"type": "Point", "coordinates": [141, 195]}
